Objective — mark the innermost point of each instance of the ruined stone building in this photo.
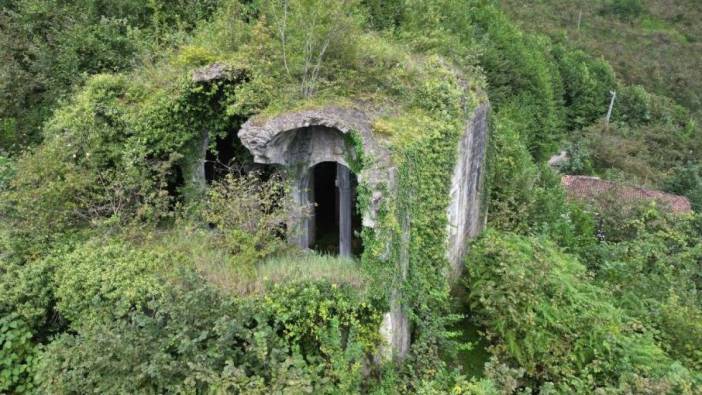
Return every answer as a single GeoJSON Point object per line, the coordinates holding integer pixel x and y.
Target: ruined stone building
{"type": "Point", "coordinates": [341, 169]}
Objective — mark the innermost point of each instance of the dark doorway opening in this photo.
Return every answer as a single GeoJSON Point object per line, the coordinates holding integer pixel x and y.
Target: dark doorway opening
{"type": "Point", "coordinates": [326, 218]}
{"type": "Point", "coordinates": [327, 211]}
{"type": "Point", "coordinates": [174, 183]}
{"type": "Point", "coordinates": [228, 155]}
{"type": "Point", "coordinates": [218, 160]}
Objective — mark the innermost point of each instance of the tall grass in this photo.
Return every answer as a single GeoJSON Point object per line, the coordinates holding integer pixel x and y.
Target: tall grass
{"type": "Point", "coordinates": [290, 268]}
{"type": "Point", "coordinates": [220, 267]}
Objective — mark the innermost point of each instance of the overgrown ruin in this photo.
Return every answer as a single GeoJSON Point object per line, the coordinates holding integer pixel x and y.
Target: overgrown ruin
{"type": "Point", "coordinates": [343, 176]}
{"type": "Point", "coordinates": [302, 141]}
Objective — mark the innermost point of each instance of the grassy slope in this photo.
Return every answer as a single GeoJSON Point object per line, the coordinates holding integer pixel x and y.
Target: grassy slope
{"type": "Point", "coordinates": [659, 50]}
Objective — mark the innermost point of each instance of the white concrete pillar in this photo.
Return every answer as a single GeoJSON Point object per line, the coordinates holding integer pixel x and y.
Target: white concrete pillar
{"type": "Point", "coordinates": [301, 222]}
{"type": "Point", "coordinates": [343, 183]}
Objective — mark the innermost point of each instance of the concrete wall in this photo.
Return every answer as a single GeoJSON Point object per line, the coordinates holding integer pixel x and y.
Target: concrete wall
{"type": "Point", "coordinates": [466, 216]}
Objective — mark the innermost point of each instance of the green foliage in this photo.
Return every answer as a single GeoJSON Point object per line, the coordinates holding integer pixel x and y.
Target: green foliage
{"type": "Point", "coordinates": [562, 329]}
{"type": "Point", "coordinates": [518, 185]}
{"type": "Point", "coordinates": [26, 291]}
{"type": "Point", "coordinates": [512, 174]}
{"type": "Point", "coordinates": [249, 215]}
{"type": "Point", "coordinates": [296, 339]}
{"type": "Point", "coordinates": [384, 14]}
{"type": "Point", "coordinates": [587, 83]}
{"type": "Point", "coordinates": [424, 141]}
{"type": "Point", "coordinates": [521, 75]}
{"type": "Point", "coordinates": [312, 39]}
{"type": "Point", "coordinates": [17, 355]}
{"type": "Point", "coordinates": [47, 46]}
{"type": "Point", "coordinates": [633, 106]}
{"type": "Point", "coordinates": [650, 43]}
{"type": "Point", "coordinates": [625, 9]}
{"type": "Point", "coordinates": [579, 159]}
{"type": "Point", "coordinates": [125, 312]}
{"type": "Point", "coordinates": [651, 138]}
{"type": "Point", "coordinates": [7, 170]}
{"type": "Point", "coordinates": [646, 154]}
{"type": "Point", "coordinates": [44, 197]}
{"type": "Point", "coordinates": [651, 265]}
{"type": "Point", "coordinates": [687, 181]}
{"type": "Point", "coordinates": [108, 280]}
{"type": "Point", "coordinates": [114, 152]}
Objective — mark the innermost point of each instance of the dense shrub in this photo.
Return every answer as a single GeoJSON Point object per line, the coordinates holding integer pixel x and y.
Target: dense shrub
{"type": "Point", "coordinates": [311, 40]}
{"type": "Point", "coordinates": [512, 175]}
{"type": "Point", "coordinates": [250, 216]}
{"type": "Point", "coordinates": [521, 73]}
{"type": "Point", "coordinates": [47, 46]}
{"type": "Point", "coordinates": [687, 181]}
{"type": "Point", "coordinates": [26, 290]}
{"type": "Point", "coordinates": [644, 154]}
{"type": "Point", "coordinates": [633, 106]}
{"type": "Point", "coordinates": [625, 9]}
{"type": "Point", "coordinates": [587, 83]}
{"type": "Point", "coordinates": [384, 14]}
{"type": "Point", "coordinates": [114, 152]}
{"type": "Point", "coordinates": [109, 279]}
{"type": "Point", "coordinates": [518, 185]}
{"type": "Point", "coordinates": [302, 338]}
{"type": "Point", "coordinates": [17, 355]}
{"type": "Point", "coordinates": [124, 311]}
{"type": "Point", "coordinates": [562, 329]}
{"type": "Point", "coordinates": [6, 171]}
{"type": "Point", "coordinates": [651, 264]}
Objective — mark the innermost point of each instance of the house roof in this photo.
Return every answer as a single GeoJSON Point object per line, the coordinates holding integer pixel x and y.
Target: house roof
{"type": "Point", "coordinates": [588, 188]}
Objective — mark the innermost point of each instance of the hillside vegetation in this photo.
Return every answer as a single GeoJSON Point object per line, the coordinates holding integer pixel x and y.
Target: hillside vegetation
{"type": "Point", "coordinates": [118, 276]}
{"type": "Point", "coordinates": [652, 45]}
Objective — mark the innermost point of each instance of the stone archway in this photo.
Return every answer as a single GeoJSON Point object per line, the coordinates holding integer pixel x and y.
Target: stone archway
{"type": "Point", "coordinates": [305, 146]}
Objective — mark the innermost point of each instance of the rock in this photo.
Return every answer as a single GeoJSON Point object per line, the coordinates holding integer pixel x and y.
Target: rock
{"type": "Point", "coordinates": [215, 71]}
{"type": "Point", "coordinates": [559, 160]}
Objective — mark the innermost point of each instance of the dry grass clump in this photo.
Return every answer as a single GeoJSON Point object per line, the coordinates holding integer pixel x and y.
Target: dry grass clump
{"type": "Point", "coordinates": [290, 268]}
{"type": "Point", "coordinates": [226, 272]}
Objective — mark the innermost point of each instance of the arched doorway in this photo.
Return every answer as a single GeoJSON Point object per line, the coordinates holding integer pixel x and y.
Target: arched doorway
{"type": "Point", "coordinates": [336, 222]}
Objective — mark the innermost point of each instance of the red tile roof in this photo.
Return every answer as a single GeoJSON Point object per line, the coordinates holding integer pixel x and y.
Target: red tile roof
{"type": "Point", "coordinates": [588, 188]}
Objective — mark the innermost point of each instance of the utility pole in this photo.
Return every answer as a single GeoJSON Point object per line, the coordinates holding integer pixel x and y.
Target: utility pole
{"type": "Point", "coordinates": [580, 19]}
{"type": "Point", "coordinates": [611, 106]}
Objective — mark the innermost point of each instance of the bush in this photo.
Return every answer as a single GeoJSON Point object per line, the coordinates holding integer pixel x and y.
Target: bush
{"type": "Point", "coordinates": [50, 46]}
{"type": "Point", "coordinates": [521, 74]}
{"type": "Point", "coordinates": [651, 264]}
{"type": "Point", "coordinates": [633, 106]}
{"type": "Point", "coordinates": [6, 171]}
{"type": "Point", "coordinates": [110, 279]}
{"type": "Point", "coordinates": [17, 356]}
{"type": "Point", "coordinates": [579, 159]}
{"type": "Point", "coordinates": [298, 339]}
{"type": "Point", "coordinates": [26, 290]}
{"type": "Point", "coordinates": [312, 39]}
{"type": "Point", "coordinates": [518, 185]}
{"type": "Point", "coordinates": [562, 329]}
{"type": "Point", "coordinates": [587, 83]}
{"type": "Point", "coordinates": [687, 181]}
{"type": "Point", "coordinates": [646, 154]}
{"type": "Point", "coordinates": [384, 14]}
{"type": "Point", "coordinates": [625, 9]}
{"type": "Point", "coordinates": [250, 216]}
